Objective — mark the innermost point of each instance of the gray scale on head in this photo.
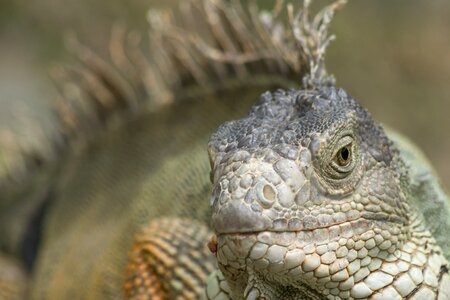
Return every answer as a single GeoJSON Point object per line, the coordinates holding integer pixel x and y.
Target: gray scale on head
{"type": "Point", "coordinates": [262, 164]}
{"type": "Point", "coordinates": [293, 117]}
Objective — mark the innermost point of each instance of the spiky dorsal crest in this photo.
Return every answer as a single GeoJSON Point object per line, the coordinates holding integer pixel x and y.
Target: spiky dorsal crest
{"type": "Point", "coordinates": [204, 47]}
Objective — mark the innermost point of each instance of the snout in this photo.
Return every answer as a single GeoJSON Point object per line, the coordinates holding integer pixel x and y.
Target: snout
{"type": "Point", "coordinates": [259, 195]}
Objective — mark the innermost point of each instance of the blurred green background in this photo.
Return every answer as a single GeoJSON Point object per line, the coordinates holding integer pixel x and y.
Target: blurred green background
{"type": "Point", "coordinates": [394, 56]}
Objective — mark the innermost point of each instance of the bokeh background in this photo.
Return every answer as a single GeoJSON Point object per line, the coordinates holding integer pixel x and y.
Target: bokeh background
{"type": "Point", "coordinates": [394, 56]}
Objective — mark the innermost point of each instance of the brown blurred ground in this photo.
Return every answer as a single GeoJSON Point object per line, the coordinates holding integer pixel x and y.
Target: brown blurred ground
{"type": "Point", "coordinates": [394, 56]}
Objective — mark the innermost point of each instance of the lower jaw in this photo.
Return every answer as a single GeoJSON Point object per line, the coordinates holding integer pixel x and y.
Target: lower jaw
{"type": "Point", "coordinates": [269, 262]}
{"type": "Point", "coordinates": [299, 260]}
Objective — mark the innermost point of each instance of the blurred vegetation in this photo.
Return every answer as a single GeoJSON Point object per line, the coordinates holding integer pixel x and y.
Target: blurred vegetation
{"type": "Point", "coordinates": [394, 56]}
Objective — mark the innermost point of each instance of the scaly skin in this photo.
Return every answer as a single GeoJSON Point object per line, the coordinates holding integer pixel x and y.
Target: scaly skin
{"type": "Point", "coordinates": [297, 219]}
{"type": "Point", "coordinates": [169, 260]}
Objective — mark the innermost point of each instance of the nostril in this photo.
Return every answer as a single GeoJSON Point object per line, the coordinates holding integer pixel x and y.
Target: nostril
{"type": "Point", "coordinates": [269, 192]}
{"type": "Point", "coordinates": [266, 194]}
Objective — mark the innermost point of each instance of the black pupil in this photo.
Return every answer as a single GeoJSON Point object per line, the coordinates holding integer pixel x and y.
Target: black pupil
{"type": "Point", "coordinates": [345, 153]}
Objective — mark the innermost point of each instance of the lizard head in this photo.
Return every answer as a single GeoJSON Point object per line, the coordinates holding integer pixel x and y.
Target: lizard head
{"type": "Point", "coordinates": [307, 193]}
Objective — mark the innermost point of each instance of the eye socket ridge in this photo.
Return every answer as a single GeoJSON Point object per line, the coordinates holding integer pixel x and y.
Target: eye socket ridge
{"type": "Point", "coordinates": [337, 179]}
{"type": "Point", "coordinates": [343, 157]}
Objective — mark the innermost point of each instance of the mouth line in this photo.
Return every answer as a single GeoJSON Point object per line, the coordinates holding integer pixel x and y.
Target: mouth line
{"type": "Point", "coordinates": [367, 218]}
{"type": "Point", "coordinates": [288, 230]}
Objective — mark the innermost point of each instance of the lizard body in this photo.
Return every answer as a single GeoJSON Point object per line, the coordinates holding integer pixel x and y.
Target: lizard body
{"type": "Point", "coordinates": [130, 166]}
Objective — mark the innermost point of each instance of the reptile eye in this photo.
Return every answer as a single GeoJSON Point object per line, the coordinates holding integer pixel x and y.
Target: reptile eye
{"type": "Point", "coordinates": [344, 155]}
{"type": "Point", "coordinates": [343, 158]}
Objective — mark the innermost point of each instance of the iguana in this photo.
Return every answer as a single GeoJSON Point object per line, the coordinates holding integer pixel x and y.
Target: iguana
{"type": "Point", "coordinates": [311, 199]}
